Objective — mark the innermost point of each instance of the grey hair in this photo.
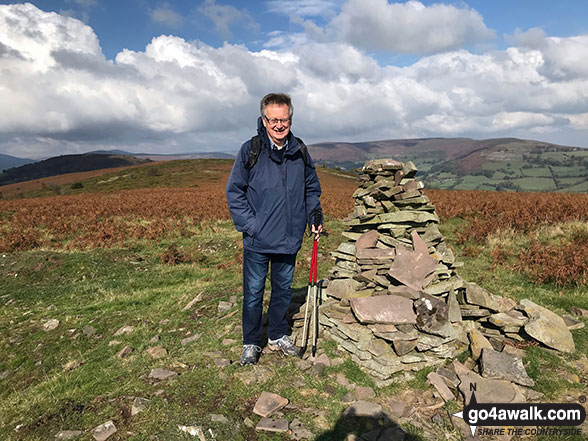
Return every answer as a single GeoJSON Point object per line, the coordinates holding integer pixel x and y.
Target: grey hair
{"type": "Point", "coordinates": [279, 99]}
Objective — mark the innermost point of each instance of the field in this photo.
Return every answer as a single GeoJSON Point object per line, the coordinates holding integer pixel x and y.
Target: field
{"type": "Point", "coordinates": [515, 168]}
{"type": "Point", "coordinates": [134, 247]}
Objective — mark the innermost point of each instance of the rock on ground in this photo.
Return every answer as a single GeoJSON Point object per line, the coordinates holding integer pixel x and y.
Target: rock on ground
{"type": "Point", "coordinates": [68, 434]}
{"type": "Point", "coordinates": [504, 366]}
{"type": "Point", "coordinates": [269, 403]}
{"type": "Point", "coordinates": [104, 431]}
{"type": "Point", "coordinates": [272, 425]}
{"type": "Point", "coordinates": [547, 327]}
{"type": "Point", "coordinates": [162, 374]}
{"type": "Point", "coordinates": [50, 325]}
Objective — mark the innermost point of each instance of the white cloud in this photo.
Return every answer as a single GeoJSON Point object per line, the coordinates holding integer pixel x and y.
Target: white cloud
{"type": "Point", "coordinates": [59, 94]}
{"type": "Point", "coordinates": [224, 16]}
{"type": "Point", "coordinates": [409, 27]}
{"type": "Point", "coordinates": [166, 15]}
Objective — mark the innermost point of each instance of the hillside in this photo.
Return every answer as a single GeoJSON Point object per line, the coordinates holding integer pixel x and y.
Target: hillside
{"type": "Point", "coordinates": [66, 164]}
{"type": "Point", "coordinates": [167, 157]}
{"type": "Point", "coordinates": [7, 161]}
{"type": "Point", "coordinates": [467, 164]}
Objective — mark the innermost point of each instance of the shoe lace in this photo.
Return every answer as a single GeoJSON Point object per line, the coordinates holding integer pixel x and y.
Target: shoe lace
{"type": "Point", "coordinates": [254, 347]}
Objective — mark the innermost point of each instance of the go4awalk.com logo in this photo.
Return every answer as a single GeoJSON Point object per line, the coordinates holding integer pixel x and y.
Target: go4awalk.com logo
{"type": "Point", "coordinates": [562, 418]}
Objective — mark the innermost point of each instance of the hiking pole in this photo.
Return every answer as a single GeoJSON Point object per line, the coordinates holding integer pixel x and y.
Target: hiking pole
{"type": "Point", "coordinates": [308, 292]}
{"type": "Point", "coordinates": [314, 299]}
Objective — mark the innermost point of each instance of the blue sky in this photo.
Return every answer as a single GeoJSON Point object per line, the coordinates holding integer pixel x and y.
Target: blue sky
{"type": "Point", "coordinates": [186, 76]}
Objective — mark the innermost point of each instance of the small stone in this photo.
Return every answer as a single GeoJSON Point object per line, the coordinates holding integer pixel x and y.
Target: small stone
{"type": "Point", "coordinates": [299, 432]}
{"type": "Point", "coordinates": [342, 379]}
{"type": "Point", "coordinates": [268, 403]}
{"type": "Point", "coordinates": [318, 369]}
{"type": "Point", "coordinates": [190, 339]}
{"type": "Point", "coordinates": [323, 359]}
{"type": "Point", "coordinates": [503, 366]}
{"type": "Point", "coordinates": [363, 409]}
{"type": "Point", "coordinates": [124, 330]}
{"type": "Point", "coordinates": [512, 350]}
{"type": "Point", "coordinates": [364, 393]}
{"type": "Point", "coordinates": [572, 323]}
{"type": "Point", "coordinates": [506, 305]}
{"type": "Point", "coordinates": [50, 325]}
{"type": "Point", "coordinates": [139, 405]}
{"type": "Point", "coordinates": [157, 352]}
{"type": "Point", "coordinates": [453, 306]}
{"type": "Point", "coordinates": [162, 374]}
{"type": "Point", "coordinates": [88, 331]}
{"type": "Point", "coordinates": [385, 309]}
{"type": "Point", "coordinates": [432, 313]}
{"type": "Point", "coordinates": [477, 295]}
{"type": "Point", "coordinates": [221, 362]}
{"type": "Point", "coordinates": [154, 340]}
{"type": "Point", "coordinates": [403, 347]}
{"type": "Point", "coordinates": [216, 418]}
{"type": "Point", "coordinates": [437, 419]}
{"type": "Point", "coordinates": [448, 377]}
{"type": "Point", "coordinates": [439, 384]}
{"type": "Point", "coordinates": [248, 422]}
{"type": "Point", "coordinates": [477, 343]}
{"type": "Point", "coordinates": [303, 365]}
{"type": "Point", "coordinates": [272, 425]}
{"type": "Point", "coordinates": [228, 342]}
{"type": "Point", "coordinates": [68, 434]}
{"type": "Point", "coordinates": [503, 320]}
{"type": "Point", "coordinates": [224, 306]}
{"type": "Point", "coordinates": [547, 327]}
{"type": "Point", "coordinates": [194, 431]}
{"type": "Point", "coordinates": [341, 288]}
{"type": "Point", "coordinates": [104, 431]}
{"type": "Point", "coordinates": [397, 409]}
{"type": "Point", "coordinates": [348, 398]}
{"type": "Point", "coordinates": [368, 239]}
{"type": "Point", "coordinates": [124, 352]}
{"type": "Point", "coordinates": [114, 343]}
{"type": "Point", "coordinates": [579, 312]}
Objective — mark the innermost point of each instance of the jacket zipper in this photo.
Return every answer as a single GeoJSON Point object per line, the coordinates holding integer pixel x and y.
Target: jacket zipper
{"type": "Point", "coordinates": [285, 181]}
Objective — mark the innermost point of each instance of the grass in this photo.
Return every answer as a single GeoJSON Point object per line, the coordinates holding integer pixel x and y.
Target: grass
{"type": "Point", "coordinates": [66, 380]}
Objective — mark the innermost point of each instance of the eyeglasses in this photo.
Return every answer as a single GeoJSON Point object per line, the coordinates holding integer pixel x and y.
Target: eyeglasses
{"type": "Point", "coordinates": [275, 121]}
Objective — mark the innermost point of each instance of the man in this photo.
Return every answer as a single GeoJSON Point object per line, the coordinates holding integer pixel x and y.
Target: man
{"type": "Point", "coordinates": [271, 195]}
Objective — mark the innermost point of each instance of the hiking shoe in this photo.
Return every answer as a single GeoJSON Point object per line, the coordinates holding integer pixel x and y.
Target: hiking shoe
{"type": "Point", "coordinates": [285, 345]}
{"type": "Point", "coordinates": [250, 354]}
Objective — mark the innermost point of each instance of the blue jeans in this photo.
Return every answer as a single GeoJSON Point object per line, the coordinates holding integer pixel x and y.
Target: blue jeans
{"type": "Point", "coordinates": [255, 268]}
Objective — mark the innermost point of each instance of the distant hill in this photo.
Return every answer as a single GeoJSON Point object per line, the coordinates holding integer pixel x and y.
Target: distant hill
{"type": "Point", "coordinates": [464, 163]}
{"type": "Point", "coordinates": [66, 164]}
{"type": "Point", "coordinates": [7, 161]}
{"type": "Point", "coordinates": [167, 157]}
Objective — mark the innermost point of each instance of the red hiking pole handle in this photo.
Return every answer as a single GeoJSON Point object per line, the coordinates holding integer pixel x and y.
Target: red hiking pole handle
{"type": "Point", "coordinates": [315, 252]}
{"type": "Point", "coordinates": [313, 263]}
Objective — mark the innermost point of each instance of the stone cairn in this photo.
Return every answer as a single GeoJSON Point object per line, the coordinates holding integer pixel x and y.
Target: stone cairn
{"type": "Point", "coordinates": [393, 299]}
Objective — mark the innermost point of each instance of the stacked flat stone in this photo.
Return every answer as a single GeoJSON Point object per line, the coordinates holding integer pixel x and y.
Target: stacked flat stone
{"type": "Point", "coordinates": [394, 300]}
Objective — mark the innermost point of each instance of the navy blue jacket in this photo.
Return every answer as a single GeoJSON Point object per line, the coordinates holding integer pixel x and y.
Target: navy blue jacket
{"type": "Point", "coordinates": [271, 202]}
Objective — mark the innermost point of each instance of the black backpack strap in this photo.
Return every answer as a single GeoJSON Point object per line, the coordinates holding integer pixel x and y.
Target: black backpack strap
{"type": "Point", "coordinates": [254, 150]}
{"type": "Point", "coordinates": [303, 150]}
